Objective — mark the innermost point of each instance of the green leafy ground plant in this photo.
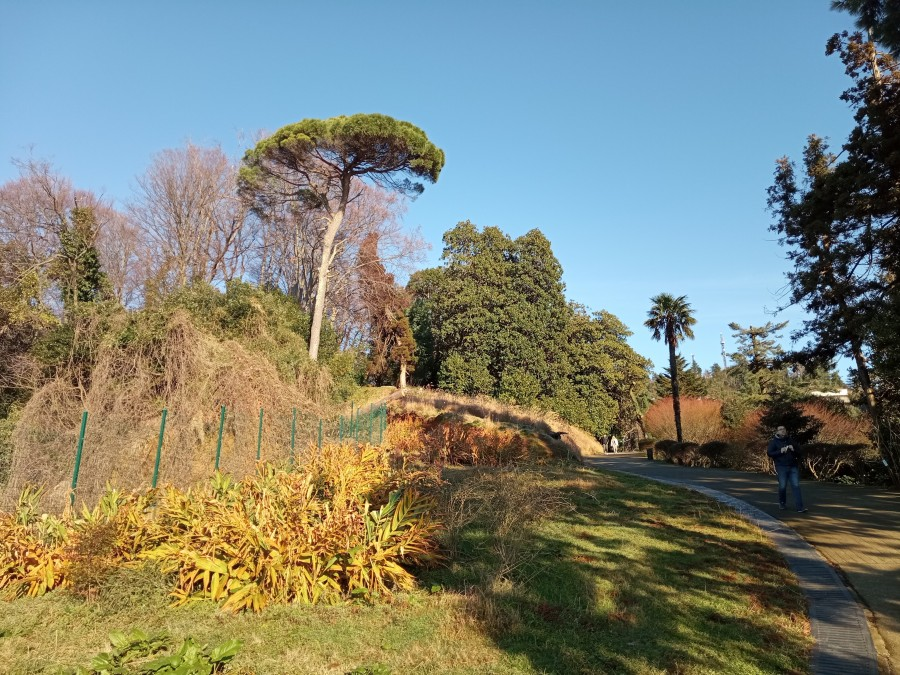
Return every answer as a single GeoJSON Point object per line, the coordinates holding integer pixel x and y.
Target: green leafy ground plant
{"type": "Point", "coordinates": [137, 653]}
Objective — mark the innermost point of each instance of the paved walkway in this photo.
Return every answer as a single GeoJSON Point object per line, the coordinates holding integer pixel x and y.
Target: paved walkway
{"type": "Point", "coordinates": [857, 529]}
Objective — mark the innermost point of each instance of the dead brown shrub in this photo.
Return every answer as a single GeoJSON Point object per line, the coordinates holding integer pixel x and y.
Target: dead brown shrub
{"type": "Point", "coordinates": [542, 423]}
{"type": "Point", "coordinates": [449, 440]}
{"type": "Point", "coordinates": [187, 371]}
{"type": "Point", "coordinates": [506, 503]}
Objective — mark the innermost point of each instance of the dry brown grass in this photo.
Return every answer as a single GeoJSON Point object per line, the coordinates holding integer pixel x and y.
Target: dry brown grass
{"type": "Point", "coordinates": [190, 373]}
{"type": "Point", "coordinates": [428, 403]}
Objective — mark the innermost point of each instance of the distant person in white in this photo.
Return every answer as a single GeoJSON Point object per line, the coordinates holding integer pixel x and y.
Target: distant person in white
{"type": "Point", "coordinates": [613, 444]}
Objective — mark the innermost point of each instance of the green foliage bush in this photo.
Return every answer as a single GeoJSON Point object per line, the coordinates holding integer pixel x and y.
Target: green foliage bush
{"type": "Point", "coordinates": [710, 454]}
{"type": "Point", "coordinates": [714, 453]}
{"type": "Point", "coordinates": [685, 454]}
{"type": "Point", "coordinates": [662, 448]}
{"type": "Point", "coordinates": [830, 461]}
{"type": "Point", "coordinates": [519, 387]}
{"type": "Point", "coordinates": [460, 375]}
{"type": "Point", "coordinates": [137, 653]}
{"type": "Point", "coordinates": [645, 443]}
{"type": "Point", "coordinates": [348, 370]}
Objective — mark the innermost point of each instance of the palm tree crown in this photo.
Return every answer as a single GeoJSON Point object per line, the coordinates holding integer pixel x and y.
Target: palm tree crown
{"type": "Point", "coordinates": [670, 318]}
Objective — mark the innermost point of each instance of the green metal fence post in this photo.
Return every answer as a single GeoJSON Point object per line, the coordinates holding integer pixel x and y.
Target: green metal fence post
{"type": "Point", "coordinates": [259, 436]}
{"type": "Point", "coordinates": [84, 417]}
{"type": "Point", "coordinates": [293, 432]}
{"type": "Point", "coordinates": [162, 433]}
{"type": "Point", "coordinates": [219, 443]}
{"type": "Point", "coordinates": [371, 419]}
{"type": "Point", "coordinates": [320, 433]}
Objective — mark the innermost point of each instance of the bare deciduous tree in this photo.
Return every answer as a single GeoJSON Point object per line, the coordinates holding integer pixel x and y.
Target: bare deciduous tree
{"type": "Point", "coordinates": [187, 207]}
{"type": "Point", "coordinates": [36, 210]}
{"type": "Point", "coordinates": [125, 257]}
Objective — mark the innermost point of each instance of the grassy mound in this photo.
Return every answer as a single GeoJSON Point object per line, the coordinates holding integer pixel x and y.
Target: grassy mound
{"type": "Point", "coordinates": [543, 428]}
{"type": "Point", "coordinates": [198, 351]}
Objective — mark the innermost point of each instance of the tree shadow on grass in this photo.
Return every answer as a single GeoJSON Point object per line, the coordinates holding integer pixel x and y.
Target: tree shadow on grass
{"type": "Point", "coordinates": [637, 578]}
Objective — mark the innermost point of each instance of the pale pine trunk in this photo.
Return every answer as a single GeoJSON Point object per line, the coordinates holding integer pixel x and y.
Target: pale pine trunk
{"type": "Point", "coordinates": [315, 331]}
{"type": "Point", "coordinates": [403, 375]}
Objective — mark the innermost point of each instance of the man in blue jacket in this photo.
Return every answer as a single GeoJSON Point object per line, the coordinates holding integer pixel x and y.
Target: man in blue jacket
{"type": "Point", "coordinates": [786, 455]}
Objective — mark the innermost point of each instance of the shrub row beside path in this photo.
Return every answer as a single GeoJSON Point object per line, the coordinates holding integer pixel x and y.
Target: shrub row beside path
{"type": "Point", "coordinates": [856, 528]}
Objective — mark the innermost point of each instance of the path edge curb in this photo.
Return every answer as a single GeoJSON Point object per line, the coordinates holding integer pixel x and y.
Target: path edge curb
{"type": "Point", "coordinates": [842, 644]}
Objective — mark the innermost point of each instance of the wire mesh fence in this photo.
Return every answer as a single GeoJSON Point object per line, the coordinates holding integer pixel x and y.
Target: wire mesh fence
{"type": "Point", "coordinates": [233, 441]}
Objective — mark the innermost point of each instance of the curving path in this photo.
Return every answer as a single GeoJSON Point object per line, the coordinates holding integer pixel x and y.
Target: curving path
{"type": "Point", "coordinates": [855, 528]}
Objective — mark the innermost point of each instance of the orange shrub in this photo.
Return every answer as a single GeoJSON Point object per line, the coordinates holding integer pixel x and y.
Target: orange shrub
{"type": "Point", "coordinates": [838, 428]}
{"type": "Point", "coordinates": [405, 434]}
{"type": "Point", "coordinates": [438, 440]}
{"type": "Point", "coordinates": [701, 419]}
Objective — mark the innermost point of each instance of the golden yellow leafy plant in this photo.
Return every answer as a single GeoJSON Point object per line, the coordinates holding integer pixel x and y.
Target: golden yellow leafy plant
{"type": "Point", "coordinates": [346, 525]}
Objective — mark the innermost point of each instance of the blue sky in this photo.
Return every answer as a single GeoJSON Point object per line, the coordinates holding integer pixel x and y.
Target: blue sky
{"type": "Point", "coordinates": [639, 137]}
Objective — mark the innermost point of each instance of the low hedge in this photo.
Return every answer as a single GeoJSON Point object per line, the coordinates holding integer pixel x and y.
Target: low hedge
{"type": "Point", "coordinates": [845, 462]}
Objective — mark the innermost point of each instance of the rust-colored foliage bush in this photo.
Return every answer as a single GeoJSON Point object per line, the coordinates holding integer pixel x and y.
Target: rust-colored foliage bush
{"type": "Point", "coordinates": [838, 427]}
{"type": "Point", "coordinates": [542, 423]}
{"type": "Point", "coordinates": [445, 440]}
{"type": "Point", "coordinates": [701, 419]}
{"type": "Point", "coordinates": [336, 529]}
{"type": "Point", "coordinates": [841, 448]}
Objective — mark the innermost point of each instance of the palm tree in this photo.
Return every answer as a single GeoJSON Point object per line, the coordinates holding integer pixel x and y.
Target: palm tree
{"type": "Point", "coordinates": [671, 319]}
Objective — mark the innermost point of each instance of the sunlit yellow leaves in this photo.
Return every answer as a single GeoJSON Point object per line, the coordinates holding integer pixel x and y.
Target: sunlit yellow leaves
{"type": "Point", "coordinates": [344, 526]}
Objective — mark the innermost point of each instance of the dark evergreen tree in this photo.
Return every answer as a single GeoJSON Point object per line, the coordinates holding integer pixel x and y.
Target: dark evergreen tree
{"type": "Point", "coordinates": [879, 18]}
{"type": "Point", "coordinates": [759, 352]}
{"type": "Point", "coordinates": [497, 323]}
{"type": "Point", "coordinates": [77, 266]}
{"type": "Point", "coordinates": [842, 230]}
{"type": "Point", "coordinates": [690, 380]}
{"type": "Point", "coordinates": [425, 286]}
{"type": "Point", "coordinates": [502, 311]}
{"type": "Point", "coordinates": [783, 412]}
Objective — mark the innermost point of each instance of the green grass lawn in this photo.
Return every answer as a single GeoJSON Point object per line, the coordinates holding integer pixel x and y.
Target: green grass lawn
{"type": "Point", "coordinates": [626, 577]}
